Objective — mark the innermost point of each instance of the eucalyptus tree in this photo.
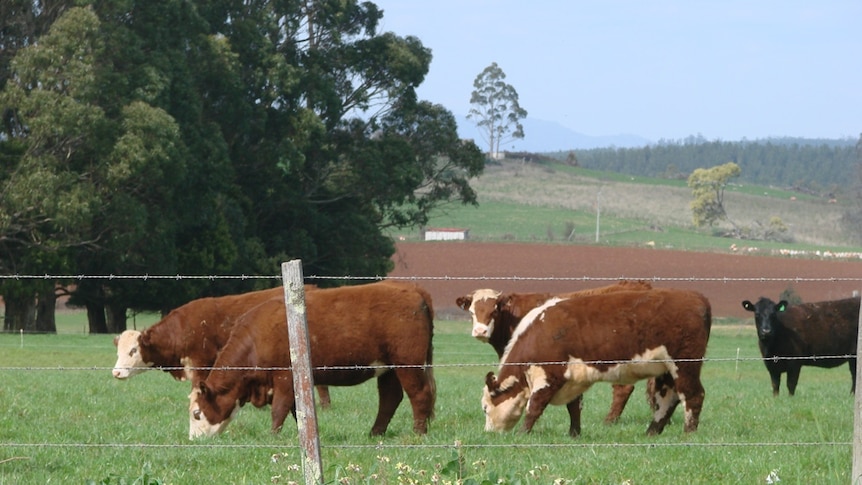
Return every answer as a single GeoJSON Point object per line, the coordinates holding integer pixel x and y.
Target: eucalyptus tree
{"type": "Point", "coordinates": [335, 147]}
{"type": "Point", "coordinates": [496, 110]}
{"type": "Point", "coordinates": [707, 188]}
{"type": "Point", "coordinates": [213, 138]}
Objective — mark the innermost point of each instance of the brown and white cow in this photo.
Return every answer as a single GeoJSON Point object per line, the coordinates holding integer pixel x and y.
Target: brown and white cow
{"type": "Point", "coordinates": [566, 345]}
{"type": "Point", "coordinates": [496, 315]}
{"type": "Point", "coordinates": [185, 342]}
{"type": "Point", "coordinates": [381, 330]}
{"type": "Point", "coordinates": [821, 334]}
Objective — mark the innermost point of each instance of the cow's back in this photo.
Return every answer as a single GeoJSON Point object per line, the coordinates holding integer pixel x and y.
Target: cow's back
{"type": "Point", "coordinates": [196, 331]}
{"type": "Point", "coordinates": [367, 320]}
{"type": "Point", "coordinates": [823, 328]}
{"type": "Point", "coordinates": [616, 326]}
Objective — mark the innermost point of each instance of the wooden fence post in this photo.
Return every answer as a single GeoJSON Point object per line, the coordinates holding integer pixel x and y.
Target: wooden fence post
{"type": "Point", "coordinates": [303, 383]}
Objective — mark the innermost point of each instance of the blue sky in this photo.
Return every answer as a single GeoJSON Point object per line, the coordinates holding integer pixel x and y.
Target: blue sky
{"type": "Point", "coordinates": [663, 69]}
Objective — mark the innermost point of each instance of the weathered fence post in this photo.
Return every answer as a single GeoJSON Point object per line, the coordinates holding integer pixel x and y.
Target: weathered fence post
{"type": "Point", "coordinates": [303, 383]}
{"type": "Point", "coordinates": [856, 474]}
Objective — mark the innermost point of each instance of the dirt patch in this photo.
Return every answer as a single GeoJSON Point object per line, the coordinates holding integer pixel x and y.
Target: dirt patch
{"type": "Point", "coordinates": [451, 269]}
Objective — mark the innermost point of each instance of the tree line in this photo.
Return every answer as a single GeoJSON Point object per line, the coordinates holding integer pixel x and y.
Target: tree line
{"type": "Point", "coordinates": [820, 166]}
{"type": "Point", "coordinates": [170, 137]}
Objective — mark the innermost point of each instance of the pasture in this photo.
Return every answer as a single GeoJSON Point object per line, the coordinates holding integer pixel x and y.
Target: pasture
{"type": "Point", "coordinates": [557, 203]}
{"type": "Point", "coordinates": [66, 420]}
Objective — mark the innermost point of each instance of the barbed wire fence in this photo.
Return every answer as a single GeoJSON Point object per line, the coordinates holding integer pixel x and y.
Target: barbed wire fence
{"type": "Point", "coordinates": [419, 279]}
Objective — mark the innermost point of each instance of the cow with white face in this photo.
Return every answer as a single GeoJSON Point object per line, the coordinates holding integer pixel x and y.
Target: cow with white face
{"type": "Point", "coordinates": [561, 348]}
{"type": "Point", "coordinates": [483, 308]}
{"type": "Point", "coordinates": [129, 362]}
{"type": "Point", "coordinates": [186, 342]}
{"type": "Point", "coordinates": [379, 331]}
{"type": "Point", "coordinates": [496, 315]}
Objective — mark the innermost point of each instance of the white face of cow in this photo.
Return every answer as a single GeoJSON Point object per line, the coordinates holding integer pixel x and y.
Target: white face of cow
{"type": "Point", "coordinates": [129, 360]}
{"type": "Point", "coordinates": [198, 423]}
{"type": "Point", "coordinates": [506, 412]}
{"type": "Point", "coordinates": [482, 310]}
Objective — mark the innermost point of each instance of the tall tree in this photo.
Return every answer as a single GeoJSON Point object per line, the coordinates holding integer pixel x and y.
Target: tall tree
{"type": "Point", "coordinates": [707, 188]}
{"type": "Point", "coordinates": [496, 110]}
{"type": "Point", "coordinates": [223, 138]}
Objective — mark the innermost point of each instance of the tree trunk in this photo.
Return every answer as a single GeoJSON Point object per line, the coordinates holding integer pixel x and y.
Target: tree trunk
{"type": "Point", "coordinates": [20, 313]}
{"type": "Point", "coordinates": [46, 320]}
{"type": "Point", "coordinates": [96, 317]}
{"type": "Point", "coordinates": [116, 318]}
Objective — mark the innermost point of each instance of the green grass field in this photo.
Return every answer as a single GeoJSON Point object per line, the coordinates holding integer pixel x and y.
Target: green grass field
{"type": "Point", "coordinates": [66, 420]}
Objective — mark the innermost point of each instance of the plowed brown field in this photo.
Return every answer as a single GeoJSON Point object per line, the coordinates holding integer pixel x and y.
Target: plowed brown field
{"type": "Point", "coordinates": [451, 269]}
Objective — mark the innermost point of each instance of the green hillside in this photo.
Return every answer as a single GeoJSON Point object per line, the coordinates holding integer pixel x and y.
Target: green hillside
{"type": "Point", "coordinates": [550, 202]}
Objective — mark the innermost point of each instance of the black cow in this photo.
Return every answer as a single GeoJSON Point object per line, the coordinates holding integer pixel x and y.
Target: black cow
{"type": "Point", "coordinates": [821, 334]}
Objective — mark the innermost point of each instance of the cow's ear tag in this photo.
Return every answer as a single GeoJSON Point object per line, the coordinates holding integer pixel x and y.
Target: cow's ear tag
{"type": "Point", "coordinates": [782, 306]}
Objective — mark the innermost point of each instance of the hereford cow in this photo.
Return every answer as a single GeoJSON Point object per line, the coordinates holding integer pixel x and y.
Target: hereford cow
{"type": "Point", "coordinates": [495, 316]}
{"type": "Point", "coordinates": [381, 330]}
{"type": "Point", "coordinates": [564, 346]}
{"type": "Point", "coordinates": [186, 341]}
{"type": "Point", "coordinates": [791, 336]}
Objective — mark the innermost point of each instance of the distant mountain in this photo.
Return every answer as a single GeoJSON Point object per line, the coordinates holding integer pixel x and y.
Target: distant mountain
{"type": "Point", "coordinates": [548, 136]}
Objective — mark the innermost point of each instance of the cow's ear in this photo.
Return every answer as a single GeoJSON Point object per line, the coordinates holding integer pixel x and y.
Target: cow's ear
{"type": "Point", "coordinates": [504, 301]}
{"type": "Point", "coordinates": [116, 340]}
{"type": "Point", "coordinates": [491, 381]}
{"type": "Point", "coordinates": [464, 302]}
{"type": "Point", "coordinates": [144, 338]}
{"type": "Point", "coordinates": [782, 306]}
{"type": "Point", "coordinates": [747, 305]}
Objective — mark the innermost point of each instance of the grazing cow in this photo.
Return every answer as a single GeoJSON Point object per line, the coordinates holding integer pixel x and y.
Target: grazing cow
{"type": "Point", "coordinates": [186, 341]}
{"type": "Point", "coordinates": [495, 316]}
{"type": "Point", "coordinates": [381, 330]}
{"type": "Point", "coordinates": [564, 346]}
{"type": "Point", "coordinates": [791, 336]}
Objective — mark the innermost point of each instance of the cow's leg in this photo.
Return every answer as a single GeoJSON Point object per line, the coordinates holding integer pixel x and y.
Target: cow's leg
{"type": "Point", "coordinates": [666, 399]}
{"type": "Point", "coordinates": [575, 408]}
{"type": "Point", "coordinates": [690, 391]}
{"type": "Point", "coordinates": [323, 393]}
{"type": "Point", "coordinates": [389, 395]}
{"type": "Point", "coordinates": [283, 401]}
{"type": "Point", "coordinates": [793, 378]}
{"type": "Point", "coordinates": [621, 397]}
{"type": "Point", "coordinates": [852, 363]}
{"type": "Point", "coordinates": [775, 377]}
{"type": "Point", "coordinates": [420, 391]}
{"type": "Point", "coordinates": [539, 400]}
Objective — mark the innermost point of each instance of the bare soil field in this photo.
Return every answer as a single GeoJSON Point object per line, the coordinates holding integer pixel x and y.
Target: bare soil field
{"type": "Point", "coordinates": [451, 269]}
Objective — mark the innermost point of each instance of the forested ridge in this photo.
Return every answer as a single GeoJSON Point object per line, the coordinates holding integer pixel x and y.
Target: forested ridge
{"type": "Point", "coordinates": [817, 165]}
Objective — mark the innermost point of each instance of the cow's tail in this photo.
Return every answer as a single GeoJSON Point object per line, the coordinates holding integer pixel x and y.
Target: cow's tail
{"type": "Point", "coordinates": [428, 308]}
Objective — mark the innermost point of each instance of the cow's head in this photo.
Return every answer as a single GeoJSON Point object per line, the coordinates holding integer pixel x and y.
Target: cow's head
{"type": "Point", "coordinates": [129, 360]}
{"type": "Point", "coordinates": [483, 308]}
{"type": "Point", "coordinates": [503, 402]}
{"type": "Point", "coordinates": [207, 416]}
{"type": "Point", "coordinates": [766, 316]}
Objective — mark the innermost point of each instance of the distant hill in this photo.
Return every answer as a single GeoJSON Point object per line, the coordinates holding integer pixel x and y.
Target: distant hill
{"type": "Point", "coordinates": [549, 136]}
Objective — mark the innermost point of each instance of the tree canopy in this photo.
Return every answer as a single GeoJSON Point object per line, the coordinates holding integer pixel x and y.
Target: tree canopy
{"type": "Point", "coordinates": [168, 137]}
{"type": "Point", "coordinates": [707, 188]}
{"type": "Point", "coordinates": [496, 110]}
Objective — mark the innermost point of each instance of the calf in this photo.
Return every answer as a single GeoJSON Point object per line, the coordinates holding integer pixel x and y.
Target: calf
{"type": "Point", "coordinates": [381, 330]}
{"type": "Point", "coordinates": [564, 346]}
{"type": "Point", "coordinates": [821, 334]}
{"type": "Point", "coordinates": [496, 315]}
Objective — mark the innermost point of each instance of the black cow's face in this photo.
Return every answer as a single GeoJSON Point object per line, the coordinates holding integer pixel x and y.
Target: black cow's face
{"type": "Point", "coordinates": [766, 316]}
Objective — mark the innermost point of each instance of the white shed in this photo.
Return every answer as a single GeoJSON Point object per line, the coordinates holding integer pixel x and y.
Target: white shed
{"type": "Point", "coordinates": [446, 234]}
